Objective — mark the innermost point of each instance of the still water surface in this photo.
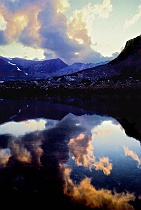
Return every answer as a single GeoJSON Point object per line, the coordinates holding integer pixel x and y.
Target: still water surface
{"type": "Point", "coordinates": [87, 158]}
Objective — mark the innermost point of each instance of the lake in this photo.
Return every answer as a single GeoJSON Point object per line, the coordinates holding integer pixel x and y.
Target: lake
{"type": "Point", "coordinates": [85, 154]}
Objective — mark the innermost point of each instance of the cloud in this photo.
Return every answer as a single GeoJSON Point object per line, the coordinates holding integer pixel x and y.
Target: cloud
{"type": "Point", "coordinates": [81, 22]}
{"type": "Point", "coordinates": [85, 193]}
{"type": "Point", "coordinates": [79, 28]}
{"type": "Point", "coordinates": [134, 19]}
{"type": "Point", "coordinates": [53, 33]}
{"type": "Point", "coordinates": [42, 24]}
{"type": "Point", "coordinates": [133, 155]}
{"type": "Point", "coordinates": [39, 25]}
{"type": "Point", "coordinates": [19, 17]}
{"type": "Point", "coordinates": [103, 10]}
{"type": "Point", "coordinates": [63, 5]}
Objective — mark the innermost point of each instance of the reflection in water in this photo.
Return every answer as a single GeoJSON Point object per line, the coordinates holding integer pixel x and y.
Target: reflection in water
{"type": "Point", "coordinates": [24, 127]}
{"type": "Point", "coordinates": [82, 153]}
{"type": "Point", "coordinates": [88, 158]}
{"type": "Point", "coordinates": [133, 155]}
{"type": "Point", "coordinates": [87, 194]}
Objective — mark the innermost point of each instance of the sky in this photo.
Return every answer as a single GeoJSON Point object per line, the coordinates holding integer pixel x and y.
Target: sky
{"type": "Point", "coordinates": [89, 31]}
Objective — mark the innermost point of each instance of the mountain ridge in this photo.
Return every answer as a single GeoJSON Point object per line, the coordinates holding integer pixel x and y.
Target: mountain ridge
{"type": "Point", "coordinates": [34, 69]}
{"type": "Point", "coordinates": [126, 64]}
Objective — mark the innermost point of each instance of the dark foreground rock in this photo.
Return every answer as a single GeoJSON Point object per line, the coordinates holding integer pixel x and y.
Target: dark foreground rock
{"type": "Point", "coordinates": [39, 88]}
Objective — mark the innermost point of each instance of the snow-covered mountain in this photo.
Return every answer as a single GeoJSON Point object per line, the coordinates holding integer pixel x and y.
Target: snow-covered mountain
{"type": "Point", "coordinates": [18, 68]}
{"type": "Point", "coordinates": [10, 69]}
{"type": "Point", "coordinates": [75, 68]}
{"type": "Point", "coordinates": [39, 69]}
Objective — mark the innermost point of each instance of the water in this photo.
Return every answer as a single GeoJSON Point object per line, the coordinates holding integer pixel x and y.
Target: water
{"type": "Point", "coordinates": [78, 158]}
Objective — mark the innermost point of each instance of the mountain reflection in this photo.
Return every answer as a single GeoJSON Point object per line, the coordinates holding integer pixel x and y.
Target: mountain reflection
{"type": "Point", "coordinates": [87, 158]}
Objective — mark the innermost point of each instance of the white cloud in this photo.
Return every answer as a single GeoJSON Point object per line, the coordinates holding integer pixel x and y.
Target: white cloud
{"type": "Point", "coordinates": [88, 13]}
{"type": "Point", "coordinates": [63, 5]}
{"type": "Point", "coordinates": [102, 10]}
{"type": "Point", "coordinates": [80, 27]}
{"type": "Point", "coordinates": [43, 25]}
{"type": "Point", "coordinates": [134, 19]}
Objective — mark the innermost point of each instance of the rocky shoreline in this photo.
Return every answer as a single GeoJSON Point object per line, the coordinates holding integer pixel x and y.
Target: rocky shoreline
{"type": "Point", "coordinates": [120, 99]}
{"type": "Point", "coordinates": [38, 88]}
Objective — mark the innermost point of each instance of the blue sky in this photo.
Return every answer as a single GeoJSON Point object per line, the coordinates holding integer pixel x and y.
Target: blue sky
{"type": "Point", "coordinates": [73, 30]}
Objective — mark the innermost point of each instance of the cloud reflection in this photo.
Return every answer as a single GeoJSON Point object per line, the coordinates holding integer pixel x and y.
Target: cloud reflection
{"type": "Point", "coordinates": [4, 157]}
{"type": "Point", "coordinates": [104, 165]}
{"type": "Point", "coordinates": [20, 152]}
{"type": "Point", "coordinates": [132, 154]}
{"type": "Point", "coordinates": [82, 153]}
{"type": "Point", "coordinates": [81, 150]}
{"type": "Point", "coordinates": [52, 146]}
{"type": "Point", "coordinates": [85, 193]}
{"type": "Point", "coordinates": [21, 128]}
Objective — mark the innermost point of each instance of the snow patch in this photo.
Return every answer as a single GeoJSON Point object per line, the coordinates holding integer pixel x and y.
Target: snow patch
{"type": "Point", "coordinates": [13, 64]}
{"type": "Point", "coordinates": [19, 69]}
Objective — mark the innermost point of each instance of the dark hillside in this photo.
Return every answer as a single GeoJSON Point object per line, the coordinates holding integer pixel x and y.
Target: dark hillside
{"type": "Point", "coordinates": [132, 48]}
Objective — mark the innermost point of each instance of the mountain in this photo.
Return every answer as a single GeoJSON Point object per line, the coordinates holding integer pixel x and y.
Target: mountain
{"type": "Point", "coordinates": [18, 68]}
{"type": "Point", "coordinates": [8, 69]}
{"type": "Point", "coordinates": [126, 65]}
{"type": "Point", "coordinates": [74, 68]}
{"type": "Point", "coordinates": [38, 69]}
{"type": "Point", "coordinates": [130, 54]}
